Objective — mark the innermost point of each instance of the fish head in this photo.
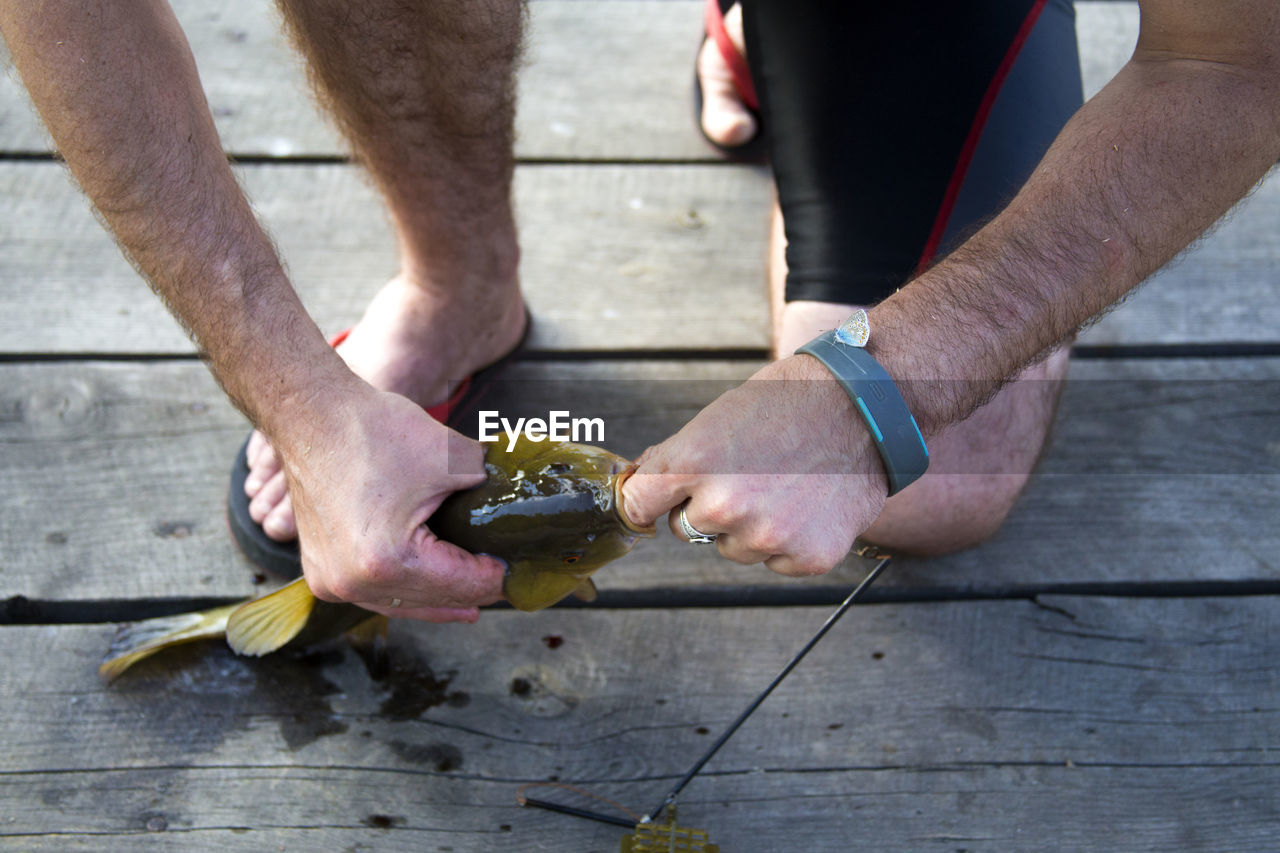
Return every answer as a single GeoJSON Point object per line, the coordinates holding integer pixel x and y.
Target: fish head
{"type": "Point", "coordinates": [552, 510]}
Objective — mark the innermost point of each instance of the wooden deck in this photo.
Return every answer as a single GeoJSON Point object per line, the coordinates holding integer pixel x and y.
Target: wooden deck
{"type": "Point", "coordinates": [1102, 676]}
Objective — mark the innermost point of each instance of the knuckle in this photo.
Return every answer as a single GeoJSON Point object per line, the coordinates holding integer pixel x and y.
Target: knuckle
{"type": "Point", "coordinates": [745, 556]}
{"type": "Point", "coordinates": [376, 568]}
{"type": "Point", "coordinates": [341, 588]}
{"type": "Point", "coordinates": [827, 560]}
{"type": "Point", "coordinates": [719, 511]}
{"type": "Point", "coordinates": [769, 538]}
{"type": "Point", "coordinates": [359, 580]}
{"type": "Point", "coordinates": [807, 563]}
{"type": "Point", "coordinates": [323, 591]}
{"type": "Point", "coordinates": [688, 457]}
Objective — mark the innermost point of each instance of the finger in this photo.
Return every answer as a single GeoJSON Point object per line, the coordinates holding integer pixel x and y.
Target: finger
{"type": "Point", "coordinates": [696, 519]}
{"type": "Point", "coordinates": [735, 548]}
{"type": "Point", "coordinates": [799, 565]}
{"type": "Point", "coordinates": [425, 614]}
{"type": "Point", "coordinates": [465, 466]}
{"type": "Point", "coordinates": [649, 493]}
{"type": "Point", "coordinates": [458, 578]}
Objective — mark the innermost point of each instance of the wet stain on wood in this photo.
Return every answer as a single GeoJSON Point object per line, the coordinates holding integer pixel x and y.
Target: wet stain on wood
{"type": "Point", "coordinates": [174, 529]}
{"type": "Point", "coordinates": [442, 757]}
{"type": "Point", "coordinates": [414, 687]}
{"type": "Point", "coordinates": [384, 821]}
{"type": "Point", "coordinates": [229, 693]}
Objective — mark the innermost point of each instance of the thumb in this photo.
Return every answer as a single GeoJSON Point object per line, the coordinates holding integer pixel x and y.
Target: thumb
{"type": "Point", "coordinates": [458, 577]}
{"type": "Point", "coordinates": [651, 492]}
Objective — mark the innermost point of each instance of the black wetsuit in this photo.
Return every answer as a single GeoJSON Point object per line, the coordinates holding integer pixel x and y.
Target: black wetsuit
{"type": "Point", "coordinates": [896, 129]}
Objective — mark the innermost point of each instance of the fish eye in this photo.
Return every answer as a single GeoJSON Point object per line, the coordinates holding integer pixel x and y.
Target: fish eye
{"type": "Point", "coordinates": [571, 558]}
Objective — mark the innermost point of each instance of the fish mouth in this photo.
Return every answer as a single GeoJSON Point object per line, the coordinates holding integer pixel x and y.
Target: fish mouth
{"type": "Point", "coordinates": [620, 505]}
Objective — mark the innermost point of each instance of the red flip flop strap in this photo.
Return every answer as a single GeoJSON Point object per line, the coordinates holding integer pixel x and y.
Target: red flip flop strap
{"type": "Point", "coordinates": [714, 22]}
{"type": "Point", "coordinates": [440, 411]}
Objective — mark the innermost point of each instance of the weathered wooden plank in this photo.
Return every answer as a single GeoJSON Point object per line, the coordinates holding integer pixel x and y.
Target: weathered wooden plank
{"type": "Point", "coordinates": [1160, 471]}
{"type": "Point", "coordinates": [976, 725]}
{"type": "Point", "coordinates": [614, 258]}
{"type": "Point", "coordinates": [601, 80]}
{"type": "Point", "coordinates": [62, 275]}
{"type": "Point", "coordinates": [1057, 807]}
{"type": "Point", "coordinates": [618, 257]}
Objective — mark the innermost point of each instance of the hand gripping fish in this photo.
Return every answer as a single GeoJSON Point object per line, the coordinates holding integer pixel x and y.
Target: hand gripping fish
{"type": "Point", "coordinates": [553, 511]}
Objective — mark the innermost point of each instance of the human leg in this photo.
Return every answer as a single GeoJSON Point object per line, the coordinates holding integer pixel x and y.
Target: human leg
{"type": "Point", "coordinates": [424, 92]}
{"type": "Point", "coordinates": [875, 187]}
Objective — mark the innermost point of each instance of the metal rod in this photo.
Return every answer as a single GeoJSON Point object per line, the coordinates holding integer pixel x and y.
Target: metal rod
{"type": "Point", "coordinates": [577, 812]}
{"type": "Point", "coordinates": [742, 718]}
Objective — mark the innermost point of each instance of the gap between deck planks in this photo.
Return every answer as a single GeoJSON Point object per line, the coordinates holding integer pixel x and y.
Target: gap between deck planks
{"type": "Point", "coordinates": [1084, 723]}
{"type": "Point", "coordinates": [1160, 471]}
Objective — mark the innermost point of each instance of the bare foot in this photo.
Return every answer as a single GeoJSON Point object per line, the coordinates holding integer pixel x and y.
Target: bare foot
{"type": "Point", "coordinates": [410, 341]}
{"type": "Point", "coordinates": [725, 119]}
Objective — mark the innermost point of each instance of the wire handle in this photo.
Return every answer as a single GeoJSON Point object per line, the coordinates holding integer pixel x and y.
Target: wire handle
{"type": "Point", "coordinates": [742, 718]}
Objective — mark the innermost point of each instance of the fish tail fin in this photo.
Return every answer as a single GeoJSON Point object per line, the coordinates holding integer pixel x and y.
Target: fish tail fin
{"type": "Point", "coordinates": [137, 640]}
{"type": "Point", "coordinates": [265, 624]}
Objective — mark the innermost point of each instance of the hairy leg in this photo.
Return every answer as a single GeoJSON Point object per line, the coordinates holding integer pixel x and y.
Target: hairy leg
{"type": "Point", "coordinates": [425, 95]}
{"type": "Point", "coordinates": [977, 468]}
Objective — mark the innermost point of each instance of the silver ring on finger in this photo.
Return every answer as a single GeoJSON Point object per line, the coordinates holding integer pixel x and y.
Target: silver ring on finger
{"type": "Point", "coordinates": [395, 602]}
{"type": "Point", "coordinates": [693, 534]}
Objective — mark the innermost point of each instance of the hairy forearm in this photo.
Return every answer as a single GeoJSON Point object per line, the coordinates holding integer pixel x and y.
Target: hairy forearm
{"type": "Point", "coordinates": [118, 90]}
{"type": "Point", "coordinates": [1141, 170]}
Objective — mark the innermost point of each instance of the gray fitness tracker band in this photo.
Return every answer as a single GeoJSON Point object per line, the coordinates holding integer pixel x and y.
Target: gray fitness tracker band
{"type": "Point", "coordinates": [878, 400]}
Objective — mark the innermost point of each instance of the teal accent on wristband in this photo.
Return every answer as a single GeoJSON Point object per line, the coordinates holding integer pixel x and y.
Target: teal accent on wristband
{"type": "Point", "coordinates": [895, 432]}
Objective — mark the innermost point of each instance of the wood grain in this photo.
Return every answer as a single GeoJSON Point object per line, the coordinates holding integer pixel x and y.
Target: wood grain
{"type": "Point", "coordinates": [602, 79]}
{"type": "Point", "coordinates": [1159, 471]}
{"type": "Point", "coordinates": [1066, 723]}
{"type": "Point", "coordinates": [615, 258]}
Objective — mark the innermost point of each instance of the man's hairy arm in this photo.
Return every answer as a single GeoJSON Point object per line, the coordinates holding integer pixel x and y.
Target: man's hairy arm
{"type": "Point", "coordinates": [1184, 130]}
{"type": "Point", "coordinates": [118, 89]}
{"type": "Point", "coordinates": [1180, 135]}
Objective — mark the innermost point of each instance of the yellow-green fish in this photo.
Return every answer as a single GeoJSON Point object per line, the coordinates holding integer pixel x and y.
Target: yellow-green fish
{"type": "Point", "coordinates": [552, 510]}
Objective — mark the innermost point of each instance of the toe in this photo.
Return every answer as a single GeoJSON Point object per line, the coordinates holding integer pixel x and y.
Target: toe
{"type": "Point", "coordinates": [263, 464]}
{"type": "Point", "coordinates": [725, 119]}
{"type": "Point", "coordinates": [273, 491]}
{"type": "Point", "coordinates": [279, 523]}
{"type": "Point", "coordinates": [257, 444]}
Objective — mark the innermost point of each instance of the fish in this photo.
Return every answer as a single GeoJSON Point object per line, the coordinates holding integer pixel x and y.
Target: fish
{"type": "Point", "coordinates": [551, 510]}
